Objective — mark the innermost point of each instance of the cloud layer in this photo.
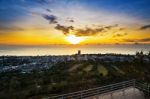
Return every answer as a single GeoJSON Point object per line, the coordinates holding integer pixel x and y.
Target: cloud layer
{"type": "Point", "coordinates": [137, 40]}
{"type": "Point", "coordinates": [87, 31]}
{"type": "Point", "coordinates": [99, 24]}
{"type": "Point", "coordinates": [64, 29]}
{"type": "Point", "coordinates": [145, 27]}
{"type": "Point", "coordinates": [51, 18]}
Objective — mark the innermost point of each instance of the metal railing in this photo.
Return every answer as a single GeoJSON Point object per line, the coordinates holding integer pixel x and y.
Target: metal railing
{"type": "Point", "coordinates": [145, 87]}
{"type": "Point", "coordinates": [96, 91]}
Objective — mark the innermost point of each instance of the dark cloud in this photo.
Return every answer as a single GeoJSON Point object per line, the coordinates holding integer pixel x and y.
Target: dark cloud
{"type": "Point", "coordinates": [94, 31]}
{"type": "Point", "coordinates": [145, 40]}
{"type": "Point", "coordinates": [137, 40]}
{"type": "Point", "coordinates": [145, 27]}
{"type": "Point", "coordinates": [41, 1]}
{"type": "Point", "coordinates": [121, 29]}
{"type": "Point", "coordinates": [88, 31]}
{"type": "Point", "coordinates": [64, 29]}
{"type": "Point", "coordinates": [71, 20]}
{"type": "Point", "coordinates": [120, 35]}
{"type": "Point", "coordinates": [111, 26]}
{"type": "Point", "coordinates": [51, 18]}
{"type": "Point", "coordinates": [48, 10]}
{"type": "Point", "coordinates": [44, 2]}
{"type": "Point", "coordinates": [130, 40]}
{"type": "Point", "coordinates": [10, 28]}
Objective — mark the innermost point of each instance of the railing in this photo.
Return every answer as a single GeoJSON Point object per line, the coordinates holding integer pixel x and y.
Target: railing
{"type": "Point", "coordinates": [145, 87]}
{"type": "Point", "coordinates": [95, 91]}
{"type": "Point", "coordinates": [104, 89]}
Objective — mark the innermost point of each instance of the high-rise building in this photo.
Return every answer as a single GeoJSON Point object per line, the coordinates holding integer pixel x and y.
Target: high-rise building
{"type": "Point", "coordinates": [79, 52]}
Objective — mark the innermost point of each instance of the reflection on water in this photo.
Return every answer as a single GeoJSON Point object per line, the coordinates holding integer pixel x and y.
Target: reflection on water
{"type": "Point", "coordinates": [71, 49]}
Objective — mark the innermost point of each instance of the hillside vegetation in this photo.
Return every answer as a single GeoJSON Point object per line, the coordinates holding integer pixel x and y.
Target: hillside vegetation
{"type": "Point", "coordinates": [70, 76]}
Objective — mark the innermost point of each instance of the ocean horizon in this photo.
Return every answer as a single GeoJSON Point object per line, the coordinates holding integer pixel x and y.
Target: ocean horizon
{"type": "Point", "coordinates": [72, 49]}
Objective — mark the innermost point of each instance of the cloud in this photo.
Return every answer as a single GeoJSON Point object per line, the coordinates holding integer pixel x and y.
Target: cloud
{"type": "Point", "coordinates": [145, 27]}
{"type": "Point", "coordinates": [94, 31]}
{"type": "Point", "coordinates": [88, 31]}
{"type": "Point", "coordinates": [111, 26]}
{"type": "Point", "coordinates": [3, 33]}
{"type": "Point", "coordinates": [70, 20]}
{"type": "Point", "coordinates": [48, 10]}
{"type": "Point", "coordinates": [6, 30]}
{"type": "Point", "coordinates": [121, 29]}
{"type": "Point", "coordinates": [41, 1]}
{"type": "Point", "coordinates": [64, 29]}
{"type": "Point", "coordinates": [10, 28]}
{"type": "Point", "coordinates": [51, 18]}
{"type": "Point", "coordinates": [138, 40]}
{"type": "Point", "coordinates": [120, 35]}
{"type": "Point", "coordinates": [145, 40]}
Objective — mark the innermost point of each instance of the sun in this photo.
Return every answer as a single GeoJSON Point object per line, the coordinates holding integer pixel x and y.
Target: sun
{"type": "Point", "coordinates": [74, 39]}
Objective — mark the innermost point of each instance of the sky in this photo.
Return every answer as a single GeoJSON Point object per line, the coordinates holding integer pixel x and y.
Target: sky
{"type": "Point", "coordinates": [45, 22]}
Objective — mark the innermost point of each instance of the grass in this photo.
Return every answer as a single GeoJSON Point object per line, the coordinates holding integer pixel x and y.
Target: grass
{"type": "Point", "coordinates": [117, 69]}
{"type": "Point", "coordinates": [88, 68]}
{"type": "Point", "coordinates": [102, 70]}
{"type": "Point", "coordinates": [74, 67]}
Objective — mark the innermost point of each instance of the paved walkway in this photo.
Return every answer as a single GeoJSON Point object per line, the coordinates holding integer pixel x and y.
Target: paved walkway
{"type": "Point", "coordinates": [128, 93]}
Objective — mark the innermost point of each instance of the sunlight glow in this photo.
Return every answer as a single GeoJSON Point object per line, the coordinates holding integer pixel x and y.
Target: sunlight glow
{"type": "Point", "coordinates": [73, 39]}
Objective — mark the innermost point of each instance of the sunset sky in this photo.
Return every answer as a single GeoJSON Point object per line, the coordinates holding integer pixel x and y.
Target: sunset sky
{"type": "Point", "coordinates": [44, 22]}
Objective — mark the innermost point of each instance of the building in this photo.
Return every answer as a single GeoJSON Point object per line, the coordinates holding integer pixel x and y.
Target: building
{"type": "Point", "coordinates": [79, 52]}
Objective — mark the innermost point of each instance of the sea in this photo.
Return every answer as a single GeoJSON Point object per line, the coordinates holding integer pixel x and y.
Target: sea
{"type": "Point", "coordinates": [15, 50]}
